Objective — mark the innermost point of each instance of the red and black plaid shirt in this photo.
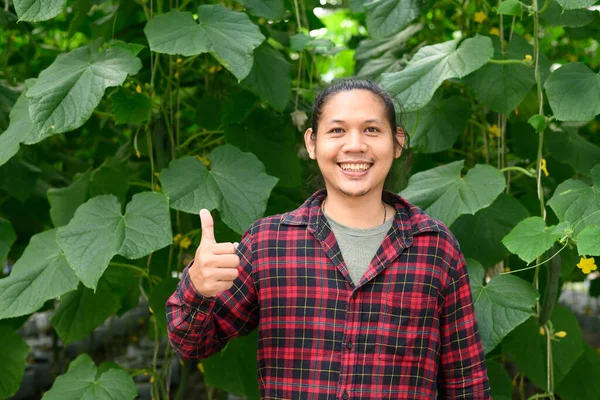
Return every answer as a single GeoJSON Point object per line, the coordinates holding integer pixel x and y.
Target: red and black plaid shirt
{"type": "Point", "coordinates": [406, 331]}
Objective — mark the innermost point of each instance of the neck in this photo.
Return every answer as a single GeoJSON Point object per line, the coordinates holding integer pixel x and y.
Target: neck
{"type": "Point", "coordinates": [357, 212]}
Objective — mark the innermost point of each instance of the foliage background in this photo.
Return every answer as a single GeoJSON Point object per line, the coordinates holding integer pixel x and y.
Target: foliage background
{"type": "Point", "coordinates": [121, 119]}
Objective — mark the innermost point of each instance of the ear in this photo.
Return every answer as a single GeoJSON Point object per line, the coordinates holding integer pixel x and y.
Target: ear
{"type": "Point", "coordinates": [310, 143]}
{"type": "Point", "coordinates": [401, 136]}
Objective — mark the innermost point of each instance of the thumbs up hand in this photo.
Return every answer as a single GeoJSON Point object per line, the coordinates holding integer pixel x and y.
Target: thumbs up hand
{"type": "Point", "coordinates": [215, 265]}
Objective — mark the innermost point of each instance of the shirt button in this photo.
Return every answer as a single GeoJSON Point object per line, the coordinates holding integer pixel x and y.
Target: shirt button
{"type": "Point", "coordinates": [349, 344]}
{"type": "Point", "coordinates": [345, 395]}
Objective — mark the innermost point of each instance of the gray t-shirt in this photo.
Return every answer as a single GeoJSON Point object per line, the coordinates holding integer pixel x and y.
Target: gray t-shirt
{"type": "Point", "coordinates": [358, 246]}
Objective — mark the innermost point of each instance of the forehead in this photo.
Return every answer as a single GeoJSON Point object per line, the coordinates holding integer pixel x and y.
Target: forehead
{"type": "Point", "coordinates": [353, 104]}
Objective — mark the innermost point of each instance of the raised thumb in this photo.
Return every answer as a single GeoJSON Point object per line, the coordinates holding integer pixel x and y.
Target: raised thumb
{"type": "Point", "coordinates": [208, 227]}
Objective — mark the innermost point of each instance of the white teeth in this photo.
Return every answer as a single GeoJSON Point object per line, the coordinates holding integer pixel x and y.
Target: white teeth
{"type": "Point", "coordinates": [355, 167]}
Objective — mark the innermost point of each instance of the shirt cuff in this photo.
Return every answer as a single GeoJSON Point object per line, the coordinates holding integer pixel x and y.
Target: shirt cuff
{"type": "Point", "coordinates": [190, 297]}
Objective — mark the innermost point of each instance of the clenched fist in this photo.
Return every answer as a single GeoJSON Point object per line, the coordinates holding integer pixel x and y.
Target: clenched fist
{"type": "Point", "coordinates": [215, 265]}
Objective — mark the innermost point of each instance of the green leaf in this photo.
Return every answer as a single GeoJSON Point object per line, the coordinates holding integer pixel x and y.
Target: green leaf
{"type": "Point", "coordinates": [501, 305]}
{"type": "Point", "coordinates": [270, 76]}
{"type": "Point", "coordinates": [13, 353]}
{"type": "Point", "coordinates": [510, 7]}
{"type": "Point", "coordinates": [500, 382]}
{"type": "Point", "coordinates": [574, 4]}
{"type": "Point", "coordinates": [387, 17]}
{"type": "Point", "coordinates": [230, 36]}
{"type": "Point", "coordinates": [82, 381]}
{"type": "Point", "coordinates": [99, 231]}
{"type": "Point", "coordinates": [588, 241]}
{"type": "Point", "coordinates": [236, 185]}
{"type": "Point", "coordinates": [574, 92]}
{"type": "Point", "coordinates": [82, 311]}
{"type": "Point", "coordinates": [133, 48]}
{"type": "Point", "coordinates": [38, 10]}
{"type": "Point", "coordinates": [374, 48]}
{"type": "Point", "coordinates": [531, 238]}
{"type": "Point", "coordinates": [42, 273]}
{"type": "Point", "coordinates": [234, 368]}
{"type": "Point", "coordinates": [372, 69]}
{"type": "Point", "coordinates": [272, 139]}
{"type": "Point", "coordinates": [436, 126]}
{"type": "Point", "coordinates": [157, 300]}
{"type": "Point", "coordinates": [582, 382]}
{"type": "Point", "coordinates": [130, 109]}
{"type": "Point", "coordinates": [109, 178]}
{"type": "Point", "coordinates": [538, 122]}
{"type": "Point", "coordinates": [6, 18]}
{"type": "Point", "coordinates": [555, 15]}
{"type": "Point", "coordinates": [489, 226]}
{"type": "Point", "coordinates": [269, 9]}
{"type": "Point", "coordinates": [67, 92]}
{"type": "Point", "coordinates": [445, 195]}
{"type": "Point", "coordinates": [528, 348]}
{"type": "Point", "coordinates": [432, 65]}
{"type": "Point", "coordinates": [502, 87]}
{"type": "Point", "coordinates": [573, 149]}
{"type": "Point", "coordinates": [578, 203]}
{"type": "Point", "coordinates": [7, 238]}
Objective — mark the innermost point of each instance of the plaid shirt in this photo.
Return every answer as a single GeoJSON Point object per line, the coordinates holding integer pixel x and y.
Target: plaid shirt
{"type": "Point", "coordinates": [406, 331]}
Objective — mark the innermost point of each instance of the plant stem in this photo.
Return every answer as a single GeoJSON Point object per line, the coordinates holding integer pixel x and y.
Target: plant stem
{"type": "Point", "coordinates": [537, 264]}
{"type": "Point", "coordinates": [492, 61]}
{"type": "Point", "coordinates": [522, 170]}
{"type": "Point", "coordinates": [183, 381]}
{"type": "Point", "coordinates": [130, 266]}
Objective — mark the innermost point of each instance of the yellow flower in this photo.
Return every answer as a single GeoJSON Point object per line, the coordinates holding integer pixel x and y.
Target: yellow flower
{"type": "Point", "coordinates": [138, 88]}
{"type": "Point", "coordinates": [479, 17]}
{"type": "Point", "coordinates": [542, 331]}
{"type": "Point", "coordinates": [528, 57]}
{"type": "Point", "coordinates": [561, 334]}
{"type": "Point", "coordinates": [507, 269]}
{"type": "Point", "coordinates": [185, 242]}
{"type": "Point", "coordinates": [177, 238]}
{"type": "Point", "coordinates": [204, 160]}
{"type": "Point", "coordinates": [494, 31]}
{"type": "Point", "coordinates": [587, 265]}
{"type": "Point", "coordinates": [494, 130]}
{"type": "Point", "coordinates": [200, 367]}
{"type": "Point", "coordinates": [543, 167]}
{"type": "Point", "coordinates": [179, 60]}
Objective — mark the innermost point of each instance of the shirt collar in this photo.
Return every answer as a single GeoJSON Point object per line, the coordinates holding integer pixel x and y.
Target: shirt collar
{"type": "Point", "coordinates": [409, 219]}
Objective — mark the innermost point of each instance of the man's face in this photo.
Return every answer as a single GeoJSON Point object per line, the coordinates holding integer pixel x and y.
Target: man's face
{"type": "Point", "coordinates": [354, 146]}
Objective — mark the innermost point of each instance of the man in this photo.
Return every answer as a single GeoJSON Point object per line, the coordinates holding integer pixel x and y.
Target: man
{"type": "Point", "coordinates": [357, 294]}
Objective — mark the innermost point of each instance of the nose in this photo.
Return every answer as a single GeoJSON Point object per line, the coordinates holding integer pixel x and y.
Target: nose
{"type": "Point", "coordinates": [355, 142]}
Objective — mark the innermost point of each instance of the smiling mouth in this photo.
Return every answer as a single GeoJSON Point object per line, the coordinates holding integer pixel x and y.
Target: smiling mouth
{"type": "Point", "coordinates": [355, 167]}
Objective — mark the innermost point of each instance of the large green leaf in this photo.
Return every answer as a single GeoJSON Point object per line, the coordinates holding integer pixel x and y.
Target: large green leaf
{"type": "Point", "coordinates": [578, 203]}
{"type": "Point", "coordinates": [528, 348]}
{"type": "Point", "coordinates": [236, 185]}
{"type": "Point", "coordinates": [480, 235]}
{"type": "Point", "coordinates": [531, 238]}
{"type": "Point", "coordinates": [68, 91]}
{"type": "Point", "coordinates": [502, 87]}
{"type": "Point", "coordinates": [99, 231]}
{"type": "Point", "coordinates": [500, 383]}
{"type": "Point", "coordinates": [82, 311]}
{"type": "Point", "coordinates": [588, 241]}
{"type": "Point", "coordinates": [372, 69]}
{"type": "Point", "coordinates": [571, 148]}
{"type": "Point", "coordinates": [574, 4]}
{"type": "Point", "coordinates": [555, 15]}
{"type": "Point", "coordinates": [230, 36]}
{"type": "Point", "coordinates": [42, 273]}
{"type": "Point", "coordinates": [38, 10]}
{"type": "Point", "coordinates": [510, 7]}
{"type": "Point", "coordinates": [130, 109]}
{"type": "Point", "coordinates": [582, 382]}
{"type": "Point", "coordinates": [157, 300]}
{"type": "Point", "coordinates": [109, 178]}
{"type": "Point", "coordinates": [445, 195]}
{"type": "Point", "coordinates": [501, 305]}
{"type": "Point", "coordinates": [272, 139]}
{"type": "Point", "coordinates": [270, 9]}
{"type": "Point", "coordinates": [13, 353]}
{"type": "Point", "coordinates": [436, 126]}
{"type": "Point", "coordinates": [374, 48]}
{"type": "Point", "coordinates": [7, 238]}
{"type": "Point", "coordinates": [574, 92]}
{"type": "Point", "coordinates": [234, 368]}
{"type": "Point", "coordinates": [432, 65]}
{"type": "Point", "coordinates": [83, 381]}
{"type": "Point", "coordinates": [270, 76]}
{"type": "Point", "coordinates": [387, 17]}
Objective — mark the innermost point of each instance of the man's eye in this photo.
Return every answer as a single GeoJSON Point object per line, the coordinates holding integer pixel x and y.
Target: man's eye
{"type": "Point", "coordinates": [372, 129]}
{"type": "Point", "coordinates": [336, 130]}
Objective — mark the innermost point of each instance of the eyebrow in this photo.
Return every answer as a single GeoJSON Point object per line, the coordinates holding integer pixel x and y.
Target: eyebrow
{"type": "Point", "coordinates": [376, 120]}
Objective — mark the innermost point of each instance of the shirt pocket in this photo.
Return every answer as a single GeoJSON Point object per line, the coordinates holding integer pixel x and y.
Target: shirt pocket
{"type": "Point", "coordinates": [408, 327]}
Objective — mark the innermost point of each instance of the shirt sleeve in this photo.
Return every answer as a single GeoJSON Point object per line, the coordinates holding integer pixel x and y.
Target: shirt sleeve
{"type": "Point", "coordinates": [200, 326]}
{"type": "Point", "coordinates": [463, 373]}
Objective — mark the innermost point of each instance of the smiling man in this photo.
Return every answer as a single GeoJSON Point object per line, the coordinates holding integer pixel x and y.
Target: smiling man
{"type": "Point", "coordinates": [357, 294]}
